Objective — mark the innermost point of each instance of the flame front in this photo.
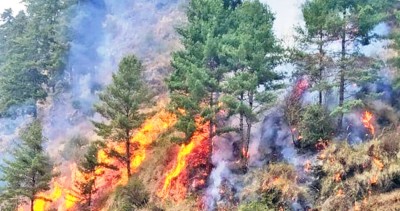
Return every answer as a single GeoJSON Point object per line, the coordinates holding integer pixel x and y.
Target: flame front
{"type": "Point", "coordinates": [199, 141]}
{"type": "Point", "coordinates": [64, 197]}
{"type": "Point", "coordinates": [367, 119]}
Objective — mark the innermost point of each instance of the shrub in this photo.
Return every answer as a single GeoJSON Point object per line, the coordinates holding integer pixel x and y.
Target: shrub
{"type": "Point", "coordinates": [133, 196]}
{"type": "Point", "coordinates": [315, 125]}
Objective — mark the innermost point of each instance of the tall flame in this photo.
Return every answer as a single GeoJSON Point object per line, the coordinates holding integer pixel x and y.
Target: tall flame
{"type": "Point", "coordinates": [64, 198]}
{"type": "Point", "coordinates": [199, 140]}
{"type": "Point", "coordinates": [367, 119]}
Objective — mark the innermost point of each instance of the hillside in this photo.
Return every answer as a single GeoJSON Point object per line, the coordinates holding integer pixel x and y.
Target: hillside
{"type": "Point", "coordinates": [199, 105]}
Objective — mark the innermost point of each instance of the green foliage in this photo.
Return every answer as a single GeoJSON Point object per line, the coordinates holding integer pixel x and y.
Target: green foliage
{"type": "Point", "coordinates": [254, 206]}
{"type": "Point", "coordinates": [251, 52]}
{"type": "Point", "coordinates": [33, 47]}
{"type": "Point", "coordinates": [195, 81]}
{"type": "Point", "coordinates": [315, 125]}
{"type": "Point", "coordinates": [347, 107]}
{"type": "Point", "coordinates": [87, 167]}
{"type": "Point", "coordinates": [121, 104]}
{"type": "Point", "coordinates": [131, 197]}
{"type": "Point", "coordinates": [29, 172]}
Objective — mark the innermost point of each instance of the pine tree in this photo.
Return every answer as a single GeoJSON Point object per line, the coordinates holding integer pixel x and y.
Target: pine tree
{"type": "Point", "coordinates": [121, 104]}
{"type": "Point", "coordinates": [352, 23]}
{"type": "Point", "coordinates": [34, 46]}
{"type": "Point", "coordinates": [195, 84]}
{"type": "Point", "coordinates": [252, 52]}
{"type": "Point", "coordinates": [313, 39]}
{"type": "Point", "coordinates": [21, 83]}
{"type": "Point", "coordinates": [87, 168]}
{"type": "Point", "coordinates": [29, 171]}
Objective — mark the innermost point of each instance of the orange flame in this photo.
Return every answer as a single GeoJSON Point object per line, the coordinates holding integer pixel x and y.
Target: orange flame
{"type": "Point", "coordinates": [374, 180]}
{"type": "Point", "coordinates": [337, 177]}
{"type": "Point", "coordinates": [378, 163]}
{"type": "Point", "coordinates": [367, 118]}
{"type": "Point", "coordinates": [199, 138]}
{"type": "Point", "coordinates": [63, 198]}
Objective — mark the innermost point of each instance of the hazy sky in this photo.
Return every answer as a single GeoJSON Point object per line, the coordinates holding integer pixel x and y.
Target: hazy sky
{"type": "Point", "coordinates": [287, 14]}
{"type": "Point", "coordinates": [14, 4]}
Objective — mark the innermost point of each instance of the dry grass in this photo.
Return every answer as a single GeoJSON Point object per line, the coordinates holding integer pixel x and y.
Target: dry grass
{"type": "Point", "coordinates": [351, 174]}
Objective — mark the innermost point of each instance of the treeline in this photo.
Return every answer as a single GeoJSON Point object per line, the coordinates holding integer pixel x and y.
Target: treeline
{"type": "Point", "coordinates": [33, 52]}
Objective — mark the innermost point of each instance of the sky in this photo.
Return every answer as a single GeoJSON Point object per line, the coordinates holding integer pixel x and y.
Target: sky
{"type": "Point", "coordinates": [287, 14]}
{"type": "Point", "coordinates": [13, 4]}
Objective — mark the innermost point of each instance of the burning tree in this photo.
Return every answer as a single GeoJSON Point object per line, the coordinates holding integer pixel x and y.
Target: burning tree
{"type": "Point", "coordinates": [29, 172]}
{"type": "Point", "coordinates": [89, 170]}
{"type": "Point", "coordinates": [121, 105]}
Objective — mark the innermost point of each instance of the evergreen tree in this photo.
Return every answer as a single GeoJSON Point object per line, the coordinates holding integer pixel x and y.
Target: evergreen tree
{"type": "Point", "coordinates": [313, 40]}
{"type": "Point", "coordinates": [352, 23]}
{"type": "Point", "coordinates": [195, 84]}
{"type": "Point", "coordinates": [252, 52]}
{"type": "Point", "coordinates": [29, 172]}
{"type": "Point", "coordinates": [87, 168]}
{"type": "Point", "coordinates": [20, 82]}
{"type": "Point", "coordinates": [33, 50]}
{"type": "Point", "coordinates": [121, 104]}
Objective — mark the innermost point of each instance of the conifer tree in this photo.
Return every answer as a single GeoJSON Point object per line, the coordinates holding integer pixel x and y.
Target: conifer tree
{"type": "Point", "coordinates": [29, 171]}
{"type": "Point", "coordinates": [352, 23]}
{"type": "Point", "coordinates": [87, 168]}
{"type": "Point", "coordinates": [195, 84]}
{"type": "Point", "coordinates": [120, 105]}
{"type": "Point", "coordinates": [313, 41]}
{"type": "Point", "coordinates": [34, 46]}
{"type": "Point", "coordinates": [252, 52]}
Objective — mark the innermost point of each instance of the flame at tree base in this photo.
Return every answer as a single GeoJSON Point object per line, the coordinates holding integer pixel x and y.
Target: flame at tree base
{"type": "Point", "coordinates": [64, 197]}
{"type": "Point", "coordinates": [190, 166]}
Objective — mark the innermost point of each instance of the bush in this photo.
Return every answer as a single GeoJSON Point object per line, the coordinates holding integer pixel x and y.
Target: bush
{"type": "Point", "coordinates": [133, 196]}
{"type": "Point", "coordinates": [315, 125]}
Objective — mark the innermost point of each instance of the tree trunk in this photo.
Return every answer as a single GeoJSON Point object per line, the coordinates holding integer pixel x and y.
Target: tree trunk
{"type": "Point", "coordinates": [211, 126]}
{"type": "Point", "coordinates": [249, 125]}
{"type": "Point", "coordinates": [32, 204]}
{"type": "Point", "coordinates": [33, 191]}
{"type": "Point", "coordinates": [128, 157]}
{"type": "Point", "coordinates": [342, 77]}
{"type": "Point", "coordinates": [241, 128]}
{"type": "Point", "coordinates": [321, 68]}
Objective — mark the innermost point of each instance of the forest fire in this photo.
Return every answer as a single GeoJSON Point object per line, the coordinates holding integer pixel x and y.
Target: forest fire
{"type": "Point", "coordinates": [64, 197]}
{"type": "Point", "coordinates": [367, 119]}
{"type": "Point", "coordinates": [196, 153]}
{"type": "Point", "coordinates": [378, 163]}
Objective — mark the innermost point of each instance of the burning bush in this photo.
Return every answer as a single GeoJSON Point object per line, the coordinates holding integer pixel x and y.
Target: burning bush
{"type": "Point", "coordinates": [274, 188]}
{"type": "Point", "coordinates": [315, 125]}
{"type": "Point", "coordinates": [130, 197]}
{"type": "Point", "coordinates": [356, 173]}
